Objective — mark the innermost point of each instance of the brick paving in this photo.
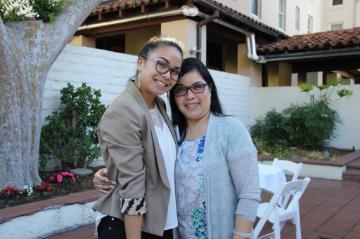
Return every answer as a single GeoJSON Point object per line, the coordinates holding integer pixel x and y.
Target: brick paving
{"type": "Point", "coordinates": [329, 210]}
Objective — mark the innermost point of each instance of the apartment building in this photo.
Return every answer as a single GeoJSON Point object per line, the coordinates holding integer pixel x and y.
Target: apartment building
{"type": "Point", "coordinates": [340, 14]}
{"type": "Point", "coordinates": [293, 17]}
{"type": "Point", "coordinates": [307, 53]}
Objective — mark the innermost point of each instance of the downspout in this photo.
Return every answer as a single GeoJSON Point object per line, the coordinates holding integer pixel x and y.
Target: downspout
{"type": "Point", "coordinates": [251, 49]}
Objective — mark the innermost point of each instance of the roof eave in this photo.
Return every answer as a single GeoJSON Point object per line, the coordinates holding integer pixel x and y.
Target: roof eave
{"type": "Point", "coordinates": [312, 55]}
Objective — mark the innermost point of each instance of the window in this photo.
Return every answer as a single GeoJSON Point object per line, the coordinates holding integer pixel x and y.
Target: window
{"type": "Point", "coordinates": [310, 24]}
{"type": "Point", "coordinates": [337, 2]}
{"type": "Point", "coordinates": [282, 14]}
{"type": "Point", "coordinates": [336, 26]}
{"type": "Point", "coordinates": [112, 43]}
{"type": "Point", "coordinates": [255, 7]}
{"type": "Point", "coordinates": [297, 18]}
{"type": "Point", "coordinates": [214, 56]}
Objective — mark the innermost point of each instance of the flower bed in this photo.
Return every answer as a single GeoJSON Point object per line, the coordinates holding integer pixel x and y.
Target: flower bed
{"type": "Point", "coordinates": [54, 184]}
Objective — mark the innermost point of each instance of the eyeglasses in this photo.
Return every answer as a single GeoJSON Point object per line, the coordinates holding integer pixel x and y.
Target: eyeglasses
{"type": "Point", "coordinates": [196, 88]}
{"type": "Point", "coordinates": [162, 67]}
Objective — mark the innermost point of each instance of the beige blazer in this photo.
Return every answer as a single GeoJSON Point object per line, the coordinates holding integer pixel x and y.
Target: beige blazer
{"type": "Point", "coordinates": [133, 158]}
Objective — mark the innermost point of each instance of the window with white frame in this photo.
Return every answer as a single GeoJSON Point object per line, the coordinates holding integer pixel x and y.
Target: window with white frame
{"type": "Point", "coordinates": [282, 14]}
{"type": "Point", "coordinates": [336, 26]}
{"type": "Point", "coordinates": [310, 24]}
{"type": "Point", "coordinates": [297, 18]}
{"type": "Point", "coordinates": [255, 7]}
{"type": "Point", "coordinates": [337, 2]}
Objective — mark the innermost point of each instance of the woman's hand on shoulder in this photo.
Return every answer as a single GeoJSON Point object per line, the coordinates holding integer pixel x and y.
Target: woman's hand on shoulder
{"type": "Point", "coordinates": [101, 182]}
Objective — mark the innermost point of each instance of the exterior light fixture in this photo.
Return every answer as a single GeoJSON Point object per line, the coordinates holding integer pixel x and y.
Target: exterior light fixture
{"type": "Point", "coordinates": [190, 11]}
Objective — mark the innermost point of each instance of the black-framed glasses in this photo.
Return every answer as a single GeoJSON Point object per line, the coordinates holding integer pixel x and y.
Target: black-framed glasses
{"type": "Point", "coordinates": [163, 67]}
{"type": "Point", "coordinates": [196, 88]}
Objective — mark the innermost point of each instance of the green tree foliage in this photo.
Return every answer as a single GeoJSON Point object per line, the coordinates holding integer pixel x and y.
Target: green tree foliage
{"type": "Point", "coordinates": [20, 10]}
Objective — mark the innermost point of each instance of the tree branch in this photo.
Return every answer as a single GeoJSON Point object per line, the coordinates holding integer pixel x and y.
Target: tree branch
{"type": "Point", "coordinates": [67, 23]}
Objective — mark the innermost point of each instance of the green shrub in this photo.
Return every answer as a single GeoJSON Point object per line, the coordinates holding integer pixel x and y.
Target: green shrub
{"type": "Point", "coordinates": [70, 133]}
{"type": "Point", "coordinates": [270, 129]}
{"type": "Point", "coordinates": [303, 126]}
{"type": "Point", "coordinates": [309, 125]}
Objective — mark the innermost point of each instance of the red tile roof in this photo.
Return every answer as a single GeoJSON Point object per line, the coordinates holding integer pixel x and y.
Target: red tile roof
{"type": "Point", "coordinates": [110, 6]}
{"type": "Point", "coordinates": [315, 41]}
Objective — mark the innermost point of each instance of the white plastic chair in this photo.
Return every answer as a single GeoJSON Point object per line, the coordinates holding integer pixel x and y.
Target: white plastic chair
{"type": "Point", "coordinates": [278, 215]}
{"type": "Point", "coordinates": [288, 167]}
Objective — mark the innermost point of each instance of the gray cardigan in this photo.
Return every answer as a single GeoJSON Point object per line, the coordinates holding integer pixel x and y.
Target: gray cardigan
{"type": "Point", "coordinates": [231, 174]}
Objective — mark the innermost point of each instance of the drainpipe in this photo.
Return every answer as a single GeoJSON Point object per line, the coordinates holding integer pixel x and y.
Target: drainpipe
{"type": "Point", "coordinates": [251, 49]}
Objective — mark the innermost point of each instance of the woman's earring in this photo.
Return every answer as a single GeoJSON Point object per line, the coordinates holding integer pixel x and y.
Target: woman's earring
{"type": "Point", "coordinates": [138, 83]}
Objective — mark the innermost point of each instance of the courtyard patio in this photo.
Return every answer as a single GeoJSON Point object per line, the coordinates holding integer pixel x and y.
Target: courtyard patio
{"type": "Point", "coordinates": [329, 210]}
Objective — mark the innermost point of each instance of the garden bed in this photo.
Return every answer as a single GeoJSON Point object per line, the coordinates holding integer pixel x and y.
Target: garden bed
{"type": "Point", "coordinates": [50, 188]}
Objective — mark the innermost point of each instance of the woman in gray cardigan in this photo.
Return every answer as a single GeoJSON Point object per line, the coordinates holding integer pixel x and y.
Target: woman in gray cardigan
{"type": "Point", "coordinates": [216, 174]}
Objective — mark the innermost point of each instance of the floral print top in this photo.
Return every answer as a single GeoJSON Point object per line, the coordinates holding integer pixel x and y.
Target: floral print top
{"type": "Point", "coordinates": [189, 174]}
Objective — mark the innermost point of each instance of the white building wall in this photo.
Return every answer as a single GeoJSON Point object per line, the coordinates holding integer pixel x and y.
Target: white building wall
{"type": "Point", "coordinates": [110, 71]}
{"type": "Point", "coordinates": [347, 14]}
{"type": "Point", "coordinates": [270, 9]}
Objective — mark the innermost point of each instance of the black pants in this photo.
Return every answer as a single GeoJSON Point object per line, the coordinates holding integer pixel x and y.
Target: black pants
{"type": "Point", "coordinates": [114, 228]}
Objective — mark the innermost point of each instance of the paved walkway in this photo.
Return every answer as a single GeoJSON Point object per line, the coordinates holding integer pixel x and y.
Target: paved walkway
{"type": "Point", "coordinates": [330, 210]}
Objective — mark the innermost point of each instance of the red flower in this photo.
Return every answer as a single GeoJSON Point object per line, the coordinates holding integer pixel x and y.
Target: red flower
{"type": "Point", "coordinates": [52, 178]}
{"type": "Point", "coordinates": [65, 173]}
{"type": "Point", "coordinates": [45, 187]}
{"type": "Point", "coordinates": [59, 178]}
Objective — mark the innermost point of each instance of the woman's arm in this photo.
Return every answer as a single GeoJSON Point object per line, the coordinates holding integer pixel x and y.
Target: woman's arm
{"type": "Point", "coordinates": [133, 226]}
{"type": "Point", "coordinates": [120, 133]}
{"type": "Point", "coordinates": [242, 161]}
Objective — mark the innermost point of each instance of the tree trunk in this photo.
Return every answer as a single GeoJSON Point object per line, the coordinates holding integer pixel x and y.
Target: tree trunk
{"type": "Point", "coordinates": [27, 51]}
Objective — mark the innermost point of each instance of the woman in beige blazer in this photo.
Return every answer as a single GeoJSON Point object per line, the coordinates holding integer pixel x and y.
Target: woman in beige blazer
{"type": "Point", "coordinates": [139, 150]}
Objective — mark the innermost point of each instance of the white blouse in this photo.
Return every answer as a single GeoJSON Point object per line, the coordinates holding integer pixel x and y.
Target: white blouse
{"type": "Point", "coordinates": [168, 150]}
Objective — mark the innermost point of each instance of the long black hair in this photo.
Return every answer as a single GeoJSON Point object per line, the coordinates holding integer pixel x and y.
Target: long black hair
{"type": "Point", "coordinates": [178, 118]}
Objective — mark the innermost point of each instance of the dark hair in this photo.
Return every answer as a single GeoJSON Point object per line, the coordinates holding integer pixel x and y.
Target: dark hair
{"type": "Point", "coordinates": [158, 41]}
{"type": "Point", "coordinates": [178, 118]}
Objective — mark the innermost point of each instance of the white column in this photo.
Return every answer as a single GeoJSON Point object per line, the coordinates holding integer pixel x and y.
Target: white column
{"type": "Point", "coordinates": [294, 79]}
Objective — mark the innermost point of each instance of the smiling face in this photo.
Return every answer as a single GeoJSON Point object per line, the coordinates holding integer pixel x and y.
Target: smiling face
{"type": "Point", "coordinates": [154, 83]}
{"type": "Point", "coordinates": [195, 107]}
